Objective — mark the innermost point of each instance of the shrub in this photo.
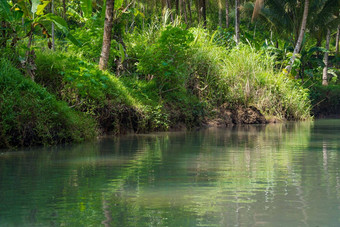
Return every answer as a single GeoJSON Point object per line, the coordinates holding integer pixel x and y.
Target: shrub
{"type": "Point", "coordinates": [165, 59]}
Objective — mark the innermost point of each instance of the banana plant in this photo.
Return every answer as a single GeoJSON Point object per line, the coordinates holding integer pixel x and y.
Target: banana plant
{"type": "Point", "coordinates": [32, 15]}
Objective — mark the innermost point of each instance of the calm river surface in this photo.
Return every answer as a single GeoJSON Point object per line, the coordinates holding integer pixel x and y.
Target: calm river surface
{"type": "Point", "coordinates": [272, 175]}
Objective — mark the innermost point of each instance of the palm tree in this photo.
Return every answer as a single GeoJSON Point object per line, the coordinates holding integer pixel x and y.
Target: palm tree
{"type": "Point", "coordinates": [284, 15]}
{"type": "Point", "coordinates": [299, 41]}
{"type": "Point", "coordinates": [325, 59]}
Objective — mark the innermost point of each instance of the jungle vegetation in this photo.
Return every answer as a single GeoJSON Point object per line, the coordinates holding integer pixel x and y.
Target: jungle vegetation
{"type": "Point", "coordinates": [71, 70]}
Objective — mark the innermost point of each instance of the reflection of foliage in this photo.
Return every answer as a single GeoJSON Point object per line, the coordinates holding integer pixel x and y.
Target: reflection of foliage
{"type": "Point", "coordinates": [184, 179]}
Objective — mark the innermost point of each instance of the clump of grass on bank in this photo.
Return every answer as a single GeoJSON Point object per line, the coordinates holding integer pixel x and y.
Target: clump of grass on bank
{"type": "Point", "coordinates": [215, 75]}
{"type": "Point", "coordinates": [30, 115]}
{"type": "Point", "coordinates": [252, 80]}
{"type": "Point", "coordinates": [243, 77]}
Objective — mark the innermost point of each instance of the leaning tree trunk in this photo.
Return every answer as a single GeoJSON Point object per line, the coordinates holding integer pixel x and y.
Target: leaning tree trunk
{"type": "Point", "coordinates": [299, 41]}
{"type": "Point", "coordinates": [108, 25]}
{"type": "Point", "coordinates": [237, 21]}
{"type": "Point", "coordinates": [227, 13]}
{"type": "Point", "coordinates": [325, 59]}
{"type": "Point", "coordinates": [337, 41]}
{"type": "Point", "coordinates": [257, 8]}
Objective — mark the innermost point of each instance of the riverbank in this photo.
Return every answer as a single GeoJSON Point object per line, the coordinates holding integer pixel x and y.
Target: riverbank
{"type": "Point", "coordinates": [186, 82]}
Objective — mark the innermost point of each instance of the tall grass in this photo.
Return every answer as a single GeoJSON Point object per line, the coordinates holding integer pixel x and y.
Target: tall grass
{"type": "Point", "coordinates": [242, 76]}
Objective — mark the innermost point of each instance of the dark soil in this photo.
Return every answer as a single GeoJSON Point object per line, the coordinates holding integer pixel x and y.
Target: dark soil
{"type": "Point", "coordinates": [241, 115]}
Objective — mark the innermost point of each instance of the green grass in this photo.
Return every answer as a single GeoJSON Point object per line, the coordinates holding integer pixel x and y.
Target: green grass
{"type": "Point", "coordinates": [242, 76]}
{"type": "Point", "coordinates": [30, 115]}
{"type": "Point", "coordinates": [119, 105]}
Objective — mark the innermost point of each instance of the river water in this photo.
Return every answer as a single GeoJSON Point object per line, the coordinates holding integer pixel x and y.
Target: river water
{"type": "Point", "coordinates": [264, 175]}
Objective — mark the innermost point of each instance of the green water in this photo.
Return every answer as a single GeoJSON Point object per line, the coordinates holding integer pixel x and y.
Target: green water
{"type": "Point", "coordinates": [273, 175]}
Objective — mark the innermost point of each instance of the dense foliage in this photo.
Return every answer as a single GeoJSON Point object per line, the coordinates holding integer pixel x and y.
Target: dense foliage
{"type": "Point", "coordinates": [168, 64]}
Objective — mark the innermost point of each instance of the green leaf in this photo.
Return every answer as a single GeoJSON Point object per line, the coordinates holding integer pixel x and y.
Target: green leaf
{"type": "Point", "coordinates": [86, 7]}
{"type": "Point", "coordinates": [41, 7]}
{"type": "Point", "coordinates": [213, 36]}
{"type": "Point", "coordinates": [17, 15]}
{"type": "Point", "coordinates": [74, 40]}
{"type": "Point", "coordinates": [61, 24]}
{"type": "Point", "coordinates": [118, 4]}
{"type": "Point", "coordinates": [35, 4]}
{"type": "Point", "coordinates": [317, 49]}
{"type": "Point", "coordinates": [24, 8]}
{"type": "Point", "coordinates": [5, 10]}
{"type": "Point", "coordinates": [137, 12]}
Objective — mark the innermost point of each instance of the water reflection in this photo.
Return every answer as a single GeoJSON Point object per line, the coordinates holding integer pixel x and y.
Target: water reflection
{"type": "Point", "coordinates": [283, 174]}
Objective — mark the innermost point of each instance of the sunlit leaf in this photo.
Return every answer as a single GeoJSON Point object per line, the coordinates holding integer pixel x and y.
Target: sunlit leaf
{"type": "Point", "coordinates": [35, 4]}
{"type": "Point", "coordinates": [86, 7]}
{"type": "Point", "coordinates": [41, 7]}
{"type": "Point", "coordinates": [118, 4]}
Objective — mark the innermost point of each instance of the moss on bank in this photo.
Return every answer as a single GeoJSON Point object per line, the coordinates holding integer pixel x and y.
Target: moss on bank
{"type": "Point", "coordinates": [30, 115]}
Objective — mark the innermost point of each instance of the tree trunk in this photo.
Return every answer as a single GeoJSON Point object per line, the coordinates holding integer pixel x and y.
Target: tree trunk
{"type": "Point", "coordinates": [108, 25]}
{"type": "Point", "coordinates": [237, 21]}
{"type": "Point", "coordinates": [204, 13]}
{"type": "Point", "coordinates": [64, 9]}
{"type": "Point", "coordinates": [227, 13]}
{"type": "Point", "coordinates": [299, 41]}
{"type": "Point", "coordinates": [177, 7]}
{"type": "Point", "coordinates": [189, 10]}
{"type": "Point", "coordinates": [337, 41]}
{"type": "Point", "coordinates": [257, 8]}
{"type": "Point", "coordinates": [184, 10]}
{"type": "Point", "coordinates": [325, 59]}
{"type": "Point", "coordinates": [168, 3]}
{"type": "Point", "coordinates": [220, 13]}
